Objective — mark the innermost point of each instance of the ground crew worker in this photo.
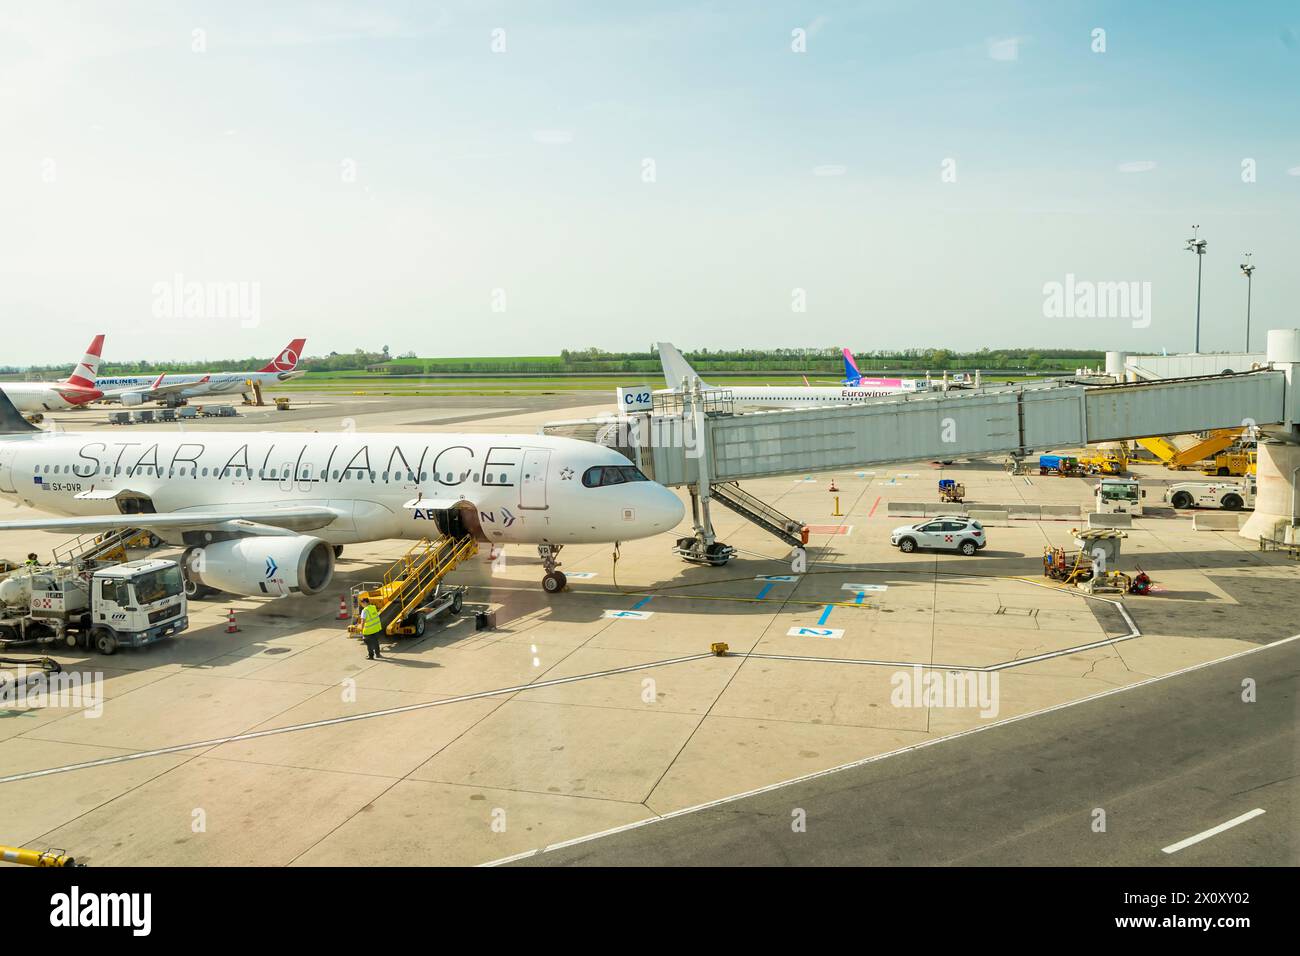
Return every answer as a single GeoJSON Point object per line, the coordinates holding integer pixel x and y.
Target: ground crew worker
{"type": "Point", "coordinates": [370, 628]}
{"type": "Point", "coordinates": [31, 561]}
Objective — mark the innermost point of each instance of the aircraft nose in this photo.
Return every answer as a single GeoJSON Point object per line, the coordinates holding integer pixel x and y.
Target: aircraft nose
{"type": "Point", "coordinates": [663, 510]}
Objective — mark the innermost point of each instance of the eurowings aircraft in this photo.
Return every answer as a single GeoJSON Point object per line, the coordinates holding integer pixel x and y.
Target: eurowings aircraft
{"type": "Point", "coordinates": [268, 512]}
{"type": "Point", "coordinates": [678, 372]}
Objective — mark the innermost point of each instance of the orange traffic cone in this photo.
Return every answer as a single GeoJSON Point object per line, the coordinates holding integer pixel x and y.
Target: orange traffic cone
{"type": "Point", "coordinates": [231, 626]}
{"type": "Point", "coordinates": [344, 613]}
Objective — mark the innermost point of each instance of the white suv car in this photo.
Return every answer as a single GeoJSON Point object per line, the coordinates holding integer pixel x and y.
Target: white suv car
{"type": "Point", "coordinates": [945, 533]}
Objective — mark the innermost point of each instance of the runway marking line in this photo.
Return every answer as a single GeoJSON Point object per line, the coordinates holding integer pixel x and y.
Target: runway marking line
{"type": "Point", "coordinates": [1206, 834]}
{"type": "Point", "coordinates": [722, 801]}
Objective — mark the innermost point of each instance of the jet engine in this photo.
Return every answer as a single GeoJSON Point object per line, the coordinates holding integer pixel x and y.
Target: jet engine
{"type": "Point", "coordinates": [268, 564]}
{"type": "Point", "coordinates": [132, 398]}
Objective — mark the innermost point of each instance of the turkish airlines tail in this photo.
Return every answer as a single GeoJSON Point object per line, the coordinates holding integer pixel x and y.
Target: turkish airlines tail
{"type": "Point", "coordinates": [287, 360]}
{"type": "Point", "coordinates": [83, 376]}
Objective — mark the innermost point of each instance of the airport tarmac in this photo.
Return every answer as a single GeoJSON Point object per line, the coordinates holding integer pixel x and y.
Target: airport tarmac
{"type": "Point", "coordinates": [602, 707]}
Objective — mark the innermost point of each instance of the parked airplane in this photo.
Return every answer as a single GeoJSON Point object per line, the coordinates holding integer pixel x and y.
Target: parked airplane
{"type": "Point", "coordinates": [77, 389]}
{"type": "Point", "coordinates": [854, 378]}
{"type": "Point", "coordinates": [678, 372]}
{"type": "Point", "coordinates": [137, 389]}
{"type": "Point", "coordinates": [267, 512]}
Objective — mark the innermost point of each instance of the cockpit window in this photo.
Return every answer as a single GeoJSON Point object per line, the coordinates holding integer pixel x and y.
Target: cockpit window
{"type": "Point", "coordinates": [611, 475]}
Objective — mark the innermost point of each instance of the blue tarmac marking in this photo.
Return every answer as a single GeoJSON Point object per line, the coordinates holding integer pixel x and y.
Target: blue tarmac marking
{"type": "Point", "coordinates": [641, 603]}
{"type": "Point", "coordinates": [766, 587]}
{"type": "Point", "coordinates": [860, 598]}
{"type": "Point", "coordinates": [825, 614]}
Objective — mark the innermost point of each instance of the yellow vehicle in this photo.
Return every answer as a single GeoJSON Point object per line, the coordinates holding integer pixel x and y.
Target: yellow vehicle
{"type": "Point", "coordinates": [1230, 463]}
{"type": "Point", "coordinates": [1106, 462]}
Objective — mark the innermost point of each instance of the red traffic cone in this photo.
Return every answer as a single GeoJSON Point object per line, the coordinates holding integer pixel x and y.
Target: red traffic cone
{"type": "Point", "coordinates": [231, 626]}
{"type": "Point", "coordinates": [344, 614]}
{"type": "Point", "coordinates": [833, 486]}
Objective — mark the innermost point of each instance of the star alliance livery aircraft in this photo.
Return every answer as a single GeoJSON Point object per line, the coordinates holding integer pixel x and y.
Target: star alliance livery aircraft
{"type": "Point", "coordinates": [268, 512]}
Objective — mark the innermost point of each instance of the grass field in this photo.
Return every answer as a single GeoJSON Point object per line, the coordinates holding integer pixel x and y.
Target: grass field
{"type": "Point", "coordinates": [353, 383]}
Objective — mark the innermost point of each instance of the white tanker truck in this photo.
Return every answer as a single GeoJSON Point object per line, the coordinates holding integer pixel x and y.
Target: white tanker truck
{"type": "Point", "coordinates": [120, 605]}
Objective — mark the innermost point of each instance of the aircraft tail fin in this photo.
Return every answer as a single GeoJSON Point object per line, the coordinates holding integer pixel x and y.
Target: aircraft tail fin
{"type": "Point", "coordinates": [851, 373]}
{"type": "Point", "coordinates": [87, 370]}
{"type": "Point", "coordinates": [677, 371]}
{"type": "Point", "coordinates": [287, 360]}
{"type": "Point", "coordinates": [11, 420]}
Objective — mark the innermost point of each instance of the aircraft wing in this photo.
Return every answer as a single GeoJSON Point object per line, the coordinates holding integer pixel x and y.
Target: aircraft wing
{"type": "Point", "coordinates": [296, 518]}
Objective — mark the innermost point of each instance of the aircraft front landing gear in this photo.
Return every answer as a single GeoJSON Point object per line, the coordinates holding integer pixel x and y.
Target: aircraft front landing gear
{"type": "Point", "coordinates": [553, 581]}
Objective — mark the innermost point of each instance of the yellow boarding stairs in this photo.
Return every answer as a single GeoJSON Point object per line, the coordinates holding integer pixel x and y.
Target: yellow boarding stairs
{"type": "Point", "coordinates": [110, 546]}
{"type": "Point", "coordinates": [1180, 458]}
{"type": "Point", "coordinates": [412, 583]}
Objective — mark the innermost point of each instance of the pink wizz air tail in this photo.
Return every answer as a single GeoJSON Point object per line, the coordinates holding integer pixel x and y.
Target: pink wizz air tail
{"type": "Point", "coordinates": [287, 360]}
{"type": "Point", "coordinates": [853, 377]}
{"type": "Point", "coordinates": [83, 376]}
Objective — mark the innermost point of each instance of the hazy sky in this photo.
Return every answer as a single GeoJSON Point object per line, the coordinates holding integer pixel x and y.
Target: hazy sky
{"type": "Point", "coordinates": [387, 174]}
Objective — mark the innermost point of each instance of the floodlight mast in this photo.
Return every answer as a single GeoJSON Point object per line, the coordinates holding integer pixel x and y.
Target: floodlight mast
{"type": "Point", "coordinates": [1248, 270]}
{"type": "Point", "coordinates": [1197, 246]}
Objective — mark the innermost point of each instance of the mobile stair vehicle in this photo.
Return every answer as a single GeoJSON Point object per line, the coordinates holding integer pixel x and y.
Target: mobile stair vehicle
{"type": "Point", "coordinates": [413, 590]}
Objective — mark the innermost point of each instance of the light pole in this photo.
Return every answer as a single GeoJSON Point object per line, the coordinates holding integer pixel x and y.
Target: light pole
{"type": "Point", "coordinates": [1197, 246]}
{"type": "Point", "coordinates": [1248, 270]}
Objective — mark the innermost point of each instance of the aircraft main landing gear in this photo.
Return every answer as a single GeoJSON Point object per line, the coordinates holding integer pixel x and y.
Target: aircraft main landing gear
{"type": "Point", "coordinates": [553, 581]}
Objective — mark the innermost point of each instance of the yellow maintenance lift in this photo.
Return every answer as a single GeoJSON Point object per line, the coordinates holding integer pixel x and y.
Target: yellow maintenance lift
{"type": "Point", "coordinates": [1179, 459]}
{"type": "Point", "coordinates": [412, 590]}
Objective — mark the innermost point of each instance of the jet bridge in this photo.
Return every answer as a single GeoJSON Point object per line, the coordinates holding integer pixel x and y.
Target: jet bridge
{"type": "Point", "coordinates": [699, 443]}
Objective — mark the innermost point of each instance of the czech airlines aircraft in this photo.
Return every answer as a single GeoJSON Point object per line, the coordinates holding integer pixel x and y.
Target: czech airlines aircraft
{"type": "Point", "coordinates": [678, 372]}
{"type": "Point", "coordinates": [267, 512]}
{"type": "Point", "coordinates": [137, 389]}
{"type": "Point", "coordinates": [77, 389]}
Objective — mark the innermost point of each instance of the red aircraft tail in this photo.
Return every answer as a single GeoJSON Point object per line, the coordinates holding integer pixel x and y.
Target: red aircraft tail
{"type": "Point", "coordinates": [287, 360]}
{"type": "Point", "coordinates": [83, 376]}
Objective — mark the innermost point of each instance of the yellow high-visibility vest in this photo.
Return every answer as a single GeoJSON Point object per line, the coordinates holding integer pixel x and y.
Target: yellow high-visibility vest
{"type": "Point", "coordinates": [370, 623]}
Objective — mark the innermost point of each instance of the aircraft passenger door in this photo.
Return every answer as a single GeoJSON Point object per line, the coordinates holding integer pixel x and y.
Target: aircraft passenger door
{"type": "Point", "coordinates": [7, 452]}
{"type": "Point", "coordinates": [532, 478]}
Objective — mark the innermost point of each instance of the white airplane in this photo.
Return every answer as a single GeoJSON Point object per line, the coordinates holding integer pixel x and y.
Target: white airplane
{"type": "Point", "coordinates": [75, 390]}
{"type": "Point", "coordinates": [267, 512]}
{"type": "Point", "coordinates": [678, 373]}
{"type": "Point", "coordinates": [137, 389]}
